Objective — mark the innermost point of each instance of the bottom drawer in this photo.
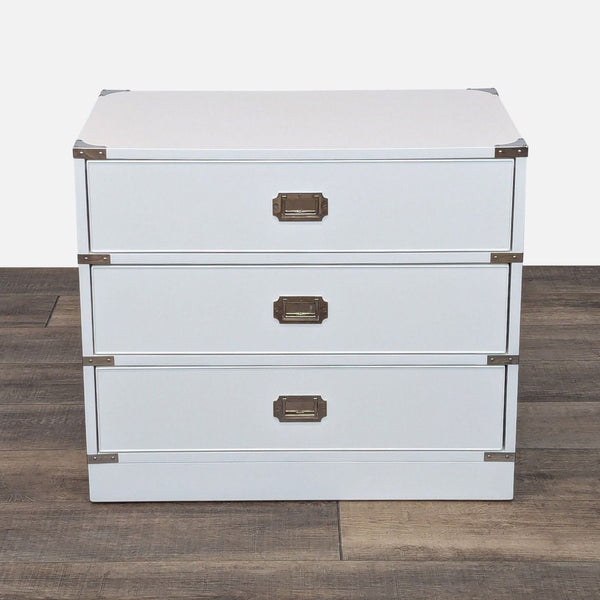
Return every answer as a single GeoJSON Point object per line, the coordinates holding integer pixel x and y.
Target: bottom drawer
{"type": "Point", "coordinates": [367, 408]}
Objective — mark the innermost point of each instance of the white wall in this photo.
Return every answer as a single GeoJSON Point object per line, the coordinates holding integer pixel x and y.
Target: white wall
{"type": "Point", "coordinates": [542, 56]}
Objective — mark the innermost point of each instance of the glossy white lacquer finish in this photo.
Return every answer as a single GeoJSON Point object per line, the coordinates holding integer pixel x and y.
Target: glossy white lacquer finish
{"type": "Point", "coordinates": [161, 409]}
{"type": "Point", "coordinates": [215, 206]}
{"type": "Point", "coordinates": [300, 124]}
{"type": "Point", "coordinates": [183, 309]}
{"type": "Point", "coordinates": [417, 202]}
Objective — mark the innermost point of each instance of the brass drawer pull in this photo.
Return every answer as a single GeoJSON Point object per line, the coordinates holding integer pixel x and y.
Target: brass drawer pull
{"type": "Point", "coordinates": [311, 206]}
{"type": "Point", "coordinates": [300, 309]}
{"type": "Point", "coordinates": [303, 409]}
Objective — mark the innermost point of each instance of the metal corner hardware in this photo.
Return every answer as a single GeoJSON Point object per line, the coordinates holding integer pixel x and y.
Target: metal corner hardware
{"type": "Point", "coordinates": [87, 151]}
{"type": "Point", "coordinates": [492, 91]}
{"type": "Point", "coordinates": [98, 361]}
{"type": "Point", "coordinates": [93, 259]}
{"type": "Point", "coordinates": [499, 457]}
{"type": "Point", "coordinates": [506, 257]}
{"type": "Point", "coordinates": [503, 359]}
{"type": "Point", "coordinates": [516, 149]}
{"type": "Point", "coordinates": [107, 92]}
{"type": "Point", "coordinates": [102, 459]}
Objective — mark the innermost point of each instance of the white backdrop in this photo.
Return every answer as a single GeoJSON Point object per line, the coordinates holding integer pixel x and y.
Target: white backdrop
{"type": "Point", "coordinates": [542, 57]}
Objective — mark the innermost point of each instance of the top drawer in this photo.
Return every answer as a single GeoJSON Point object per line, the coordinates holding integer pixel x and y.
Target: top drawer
{"type": "Point", "coordinates": [227, 206]}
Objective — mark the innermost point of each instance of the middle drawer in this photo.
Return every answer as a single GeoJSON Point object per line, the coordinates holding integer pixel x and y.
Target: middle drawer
{"type": "Point", "coordinates": [349, 309]}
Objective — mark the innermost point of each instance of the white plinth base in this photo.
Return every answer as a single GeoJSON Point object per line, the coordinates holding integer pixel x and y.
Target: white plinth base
{"type": "Point", "coordinates": [160, 481]}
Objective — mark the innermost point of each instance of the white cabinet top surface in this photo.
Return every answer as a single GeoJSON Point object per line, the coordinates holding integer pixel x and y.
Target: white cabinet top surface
{"type": "Point", "coordinates": [301, 125]}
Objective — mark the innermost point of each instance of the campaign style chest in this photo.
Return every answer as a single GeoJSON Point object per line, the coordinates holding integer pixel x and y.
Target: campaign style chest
{"type": "Point", "coordinates": [300, 295]}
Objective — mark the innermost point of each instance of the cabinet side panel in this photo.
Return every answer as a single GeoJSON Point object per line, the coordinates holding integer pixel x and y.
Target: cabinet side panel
{"type": "Point", "coordinates": [83, 238]}
{"type": "Point", "coordinates": [514, 309]}
{"type": "Point", "coordinates": [510, 419]}
{"type": "Point", "coordinates": [89, 398]}
{"type": "Point", "coordinates": [519, 205]}
{"type": "Point", "coordinates": [85, 302]}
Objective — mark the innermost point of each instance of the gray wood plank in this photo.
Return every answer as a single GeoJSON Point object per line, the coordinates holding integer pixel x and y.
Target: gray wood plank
{"type": "Point", "coordinates": [298, 580]}
{"type": "Point", "coordinates": [25, 310]}
{"type": "Point", "coordinates": [554, 516]}
{"type": "Point", "coordinates": [53, 281]}
{"type": "Point", "coordinates": [80, 531]}
{"type": "Point", "coordinates": [44, 345]}
{"type": "Point", "coordinates": [533, 314]}
{"type": "Point", "coordinates": [545, 280]}
{"type": "Point", "coordinates": [39, 384]}
{"type": "Point", "coordinates": [561, 296]}
{"type": "Point", "coordinates": [38, 476]}
{"type": "Point", "coordinates": [517, 530]}
{"type": "Point", "coordinates": [66, 313]}
{"type": "Point", "coordinates": [564, 474]}
{"type": "Point", "coordinates": [559, 381]}
{"type": "Point", "coordinates": [560, 342]}
{"type": "Point", "coordinates": [558, 425]}
{"type": "Point", "coordinates": [40, 426]}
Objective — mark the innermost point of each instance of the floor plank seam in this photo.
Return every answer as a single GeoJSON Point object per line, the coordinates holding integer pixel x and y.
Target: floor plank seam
{"type": "Point", "coordinates": [469, 561]}
{"type": "Point", "coordinates": [65, 449]}
{"type": "Point", "coordinates": [339, 528]}
{"type": "Point", "coordinates": [562, 449]}
{"type": "Point", "coordinates": [46, 403]}
{"type": "Point", "coordinates": [51, 311]}
{"type": "Point", "coordinates": [398, 561]}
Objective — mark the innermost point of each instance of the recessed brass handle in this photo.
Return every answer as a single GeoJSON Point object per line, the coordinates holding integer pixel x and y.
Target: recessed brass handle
{"type": "Point", "coordinates": [299, 409]}
{"type": "Point", "coordinates": [304, 206]}
{"type": "Point", "coordinates": [300, 309]}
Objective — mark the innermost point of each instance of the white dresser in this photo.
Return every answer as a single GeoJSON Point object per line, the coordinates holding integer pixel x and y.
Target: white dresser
{"type": "Point", "coordinates": [300, 295]}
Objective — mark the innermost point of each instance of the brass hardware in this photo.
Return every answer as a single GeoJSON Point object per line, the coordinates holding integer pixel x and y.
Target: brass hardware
{"type": "Point", "coordinates": [503, 359]}
{"type": "Point", "coordinates": [300, 309]}
{"type": "Point", "coordinates": [98, 361]}
{"type": "Point", "coordinates": [506, 257]}
{"type": "Point", "coordinates": [102, 459]}
{"type": "Point", "coordinates": [304, 409]}
{"type": "Point", "coordinates": [312, 206]}
{"type": "Point", "coordinates": [516, 149]}
{"type": "Point", "coordinates": [499, 457]}
{"type": "Point", "coordinates": [93, 259]}
{"type": "Point", "coordinates": [82, 149]}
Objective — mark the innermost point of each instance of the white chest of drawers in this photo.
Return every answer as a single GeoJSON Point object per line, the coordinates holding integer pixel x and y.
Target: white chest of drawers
{"type": "Point", "coordinates": [300, 295]}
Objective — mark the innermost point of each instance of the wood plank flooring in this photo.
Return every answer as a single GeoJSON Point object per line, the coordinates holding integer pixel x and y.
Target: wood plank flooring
{"type": "Point", "coordinates": [55, 544]}
{"type": "Point", "coordinates": [294, 580]}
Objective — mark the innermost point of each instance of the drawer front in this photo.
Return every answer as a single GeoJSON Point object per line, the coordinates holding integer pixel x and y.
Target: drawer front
{"type": "Point", "coordinates": [233, 309]}
{"type": "Point", "coordinates": [215, 408]}
{"type": "Point", "coordinates": [188, 206]}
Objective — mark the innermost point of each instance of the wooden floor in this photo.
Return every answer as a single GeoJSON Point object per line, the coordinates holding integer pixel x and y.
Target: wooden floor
{"type": "Point", "coordinates": [55, 544]}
